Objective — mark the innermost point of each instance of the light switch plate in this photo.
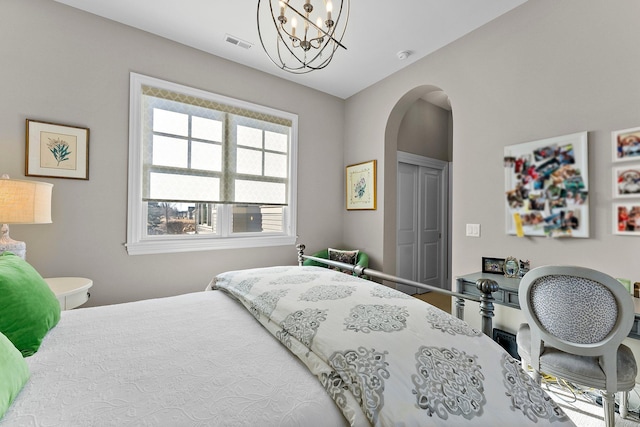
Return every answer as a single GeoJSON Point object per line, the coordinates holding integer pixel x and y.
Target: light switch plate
{"type": "Point", "coordinates": [473, 230]}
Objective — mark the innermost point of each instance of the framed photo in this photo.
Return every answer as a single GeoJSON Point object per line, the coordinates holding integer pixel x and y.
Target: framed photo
{"type": "Point", "coordinates": [361, 186]}
{"type": "Point", "coordinates": [626, 218]}
{"type": "Point", "coordinates": [57, 151]}
{"type": "Point", "coordinates": [626, 144]}
{"type": "Point", "coordinates": [547, 187]}
{"type": "Point", "coordinates": [626, 182]}
{"type": "Point", "coordinates": [493, 265]}
{"type": "Point", "coordinates": [511, 267]}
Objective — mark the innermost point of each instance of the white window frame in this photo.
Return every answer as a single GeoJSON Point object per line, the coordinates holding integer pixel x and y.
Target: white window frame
{"type": "Point", "coordinates": [138, 243]}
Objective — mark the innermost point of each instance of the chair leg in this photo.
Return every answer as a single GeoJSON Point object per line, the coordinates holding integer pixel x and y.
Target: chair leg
{"type": "Point", "coordinates": [537, 377]}
{"type": "Point", "coordinates": [608, 402]}
{"type": "Point", "coordinates": [624, 399]}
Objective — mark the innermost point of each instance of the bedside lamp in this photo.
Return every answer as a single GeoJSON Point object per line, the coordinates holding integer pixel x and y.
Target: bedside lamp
{"type": "Point", "coordinates": [22, 202]}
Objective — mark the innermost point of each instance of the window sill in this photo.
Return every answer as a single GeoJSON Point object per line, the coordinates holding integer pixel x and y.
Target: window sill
{"type": "Point", "coordinates": [162, 246]}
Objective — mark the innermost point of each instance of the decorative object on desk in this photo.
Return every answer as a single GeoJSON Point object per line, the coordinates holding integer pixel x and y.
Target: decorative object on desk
{"type": "Point", "coordinates": [525, 266]}
{"type": "Point", "coordinates": [626, 218]}
{"type": "Point", "coordinates": [57, 151]}
{"type": "Point", "coordinates": [22, 202]}
{"type": "Point", "coordinates": [313, 45]}
{"type": "Point", "coordinates": [493, 265]}
{"type": "Point", "coordinates": [546, 184]}
{"type": "Point", "coordinates": [361, 186]}
{"type": "Point", "coordinates": [626, 144]}
{"type": "Point", "coordinates": [626, 182]}
{"type": "Point", "coordinates": [511, 267]}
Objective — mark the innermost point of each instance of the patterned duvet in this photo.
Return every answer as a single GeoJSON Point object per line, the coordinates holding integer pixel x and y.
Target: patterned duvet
{"type": "Point", "coordinates": [388, 359]}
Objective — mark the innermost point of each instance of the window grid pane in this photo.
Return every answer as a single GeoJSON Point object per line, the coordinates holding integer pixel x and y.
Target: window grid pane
{"type": "Point", "coordinates": [257, 219]}
{"type": "Point", "coordinates": [276, 141]}
{"type": "Point", "coordinates": [206, 129]}
{"type": "Point", "coordinates": [170, 122]}
{"type": "Point", "coordinates": [249, 162]}
{"type": "Point", "coordinates": [164, 218]}
{"type": "Point", "coordinates": [169, 151]}
{"type": "Point", "coordinates": [249, 137]}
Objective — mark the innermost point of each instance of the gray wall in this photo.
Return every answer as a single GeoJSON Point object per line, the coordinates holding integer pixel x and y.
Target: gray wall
{"type": "Point", "coordinates": [424, 131]}
{"type": "Point", "coordinates": [545, 69]}
{"type": "Point", "coordinates": [66, 66]}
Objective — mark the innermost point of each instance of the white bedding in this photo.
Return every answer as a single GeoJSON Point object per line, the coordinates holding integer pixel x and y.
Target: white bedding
{"type": "Point", "coordinates": [389, 358]}
{"type": "Point", "coordinates": [193, 360]}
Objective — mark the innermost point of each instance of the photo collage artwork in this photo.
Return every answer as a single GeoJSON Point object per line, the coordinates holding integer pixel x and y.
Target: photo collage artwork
{"type": "Point", "coordinates": [547, 191]}
{"type": "Point", "coordinates": [626, 181]}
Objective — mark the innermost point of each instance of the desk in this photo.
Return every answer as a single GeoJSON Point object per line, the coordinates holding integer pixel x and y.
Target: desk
{"type": "Point", "coordinates": [507, 294]}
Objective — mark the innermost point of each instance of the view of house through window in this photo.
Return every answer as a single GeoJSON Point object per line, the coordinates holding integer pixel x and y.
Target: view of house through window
{"type": "Point", "coordinates": [200, 218]}
{"type": "Point", "coordinates": [210, 166]}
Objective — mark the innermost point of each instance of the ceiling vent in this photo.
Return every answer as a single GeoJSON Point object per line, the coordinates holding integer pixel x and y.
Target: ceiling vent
{"type": "Point", "coordinates": [236, 41]}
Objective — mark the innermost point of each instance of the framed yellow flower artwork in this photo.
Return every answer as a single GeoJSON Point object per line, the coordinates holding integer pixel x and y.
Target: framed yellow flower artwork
{"type": "Point", "coordinates": [361, 186]}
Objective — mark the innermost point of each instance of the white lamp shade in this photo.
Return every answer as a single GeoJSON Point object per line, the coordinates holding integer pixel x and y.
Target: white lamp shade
{"type": "Point", "coordinates": [25, 202]}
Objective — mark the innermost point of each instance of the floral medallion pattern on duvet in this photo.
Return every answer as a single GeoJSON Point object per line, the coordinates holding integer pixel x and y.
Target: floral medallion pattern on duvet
{"type": "Point", "coordinates": [449, 324]}
{"type": "Point", "coordinates": [377, 317]}
{"type": "Point", "coordinates": [388, 359]}
{"type": "Point", "coordinates": [525, 395]}
{"type": "Point", "coordinates": [448, 382]}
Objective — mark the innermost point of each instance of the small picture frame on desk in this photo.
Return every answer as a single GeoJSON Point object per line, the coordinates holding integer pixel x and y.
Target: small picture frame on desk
{"type": "Point", "coordinates": [525, 266]}
{"type": "Point", "coordinates": [511, 267]}
{"type": "Point", "coordinates": [493, 265]}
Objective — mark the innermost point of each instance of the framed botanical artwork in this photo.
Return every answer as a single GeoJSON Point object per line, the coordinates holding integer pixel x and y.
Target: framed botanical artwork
{"type": "Point", "coordinates": [56, 151]}
{"type": "Point", "coordinates": [626, 181]}
{"type": "Point", "coordinates": [361, 186]}
{"type": "Point", "coordinates": [493, 265]}
{"type": "Point", "coordinates": [626, 144]}
{"type": "Point", "coordinates": [626, 218]}
{"type": "Point", "coordinates": [547, 187]}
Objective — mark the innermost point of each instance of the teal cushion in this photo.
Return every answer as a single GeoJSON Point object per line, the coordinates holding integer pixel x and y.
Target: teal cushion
{"type": "Point", "coordinates": [29, 307]}
{"type": "Point", "coordinates": [14, 373]}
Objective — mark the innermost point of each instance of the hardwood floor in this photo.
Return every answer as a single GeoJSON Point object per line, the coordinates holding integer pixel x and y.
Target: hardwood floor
{"type": "Point", "coordinates": [441, 301]}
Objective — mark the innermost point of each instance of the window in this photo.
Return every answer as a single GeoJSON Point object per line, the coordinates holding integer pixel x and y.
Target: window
{"type": "Point", "coordinates": [207, 171]}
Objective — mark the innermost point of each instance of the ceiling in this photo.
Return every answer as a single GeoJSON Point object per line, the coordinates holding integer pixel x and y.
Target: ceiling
{"type": "Point", "coordinates": [376, 32]}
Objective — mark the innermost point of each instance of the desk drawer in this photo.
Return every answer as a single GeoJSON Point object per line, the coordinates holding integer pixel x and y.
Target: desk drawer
{"type": "Point", "coordinates": [511, 299]}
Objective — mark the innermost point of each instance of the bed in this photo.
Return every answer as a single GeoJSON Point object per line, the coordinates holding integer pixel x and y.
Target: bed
{"type": "Point", "coordinates": [277, 346]}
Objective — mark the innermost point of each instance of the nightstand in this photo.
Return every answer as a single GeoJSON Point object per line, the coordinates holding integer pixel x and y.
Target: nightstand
{"type": "Point", "coordinates": [70, 291]}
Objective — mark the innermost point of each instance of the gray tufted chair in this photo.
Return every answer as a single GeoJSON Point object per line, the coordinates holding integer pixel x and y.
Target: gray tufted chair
{"type": "Point", "coordinates": [577, 319]}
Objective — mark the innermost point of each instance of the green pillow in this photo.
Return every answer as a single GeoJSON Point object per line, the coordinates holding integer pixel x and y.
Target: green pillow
{"type": "Point", "coordinates": [29, 307]}
{"type": "Point", "coordinates": [14, 373]}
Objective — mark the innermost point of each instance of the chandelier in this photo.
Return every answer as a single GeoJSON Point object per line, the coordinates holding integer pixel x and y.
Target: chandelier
{"type": "Point", "coordinates": [300, 36]}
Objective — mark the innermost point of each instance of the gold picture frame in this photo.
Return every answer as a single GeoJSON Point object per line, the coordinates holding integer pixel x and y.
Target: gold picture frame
{"type": "Point", "coordinates": [361, 186]}
{"type": "Point", "coordinates": [56, 151]}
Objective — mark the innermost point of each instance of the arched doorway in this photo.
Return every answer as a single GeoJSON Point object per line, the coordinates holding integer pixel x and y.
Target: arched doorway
{"type": "Point", "coordinates": [419, 127]}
